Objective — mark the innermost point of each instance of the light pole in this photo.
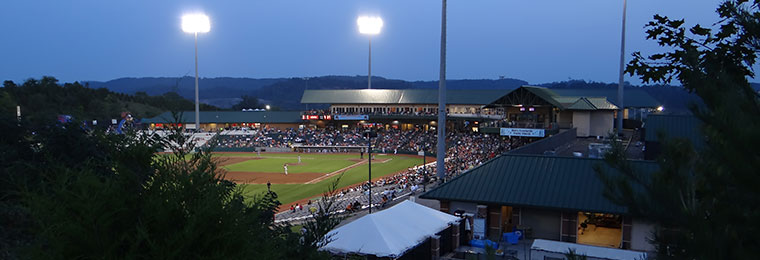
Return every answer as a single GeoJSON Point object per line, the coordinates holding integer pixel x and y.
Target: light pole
{"type": "Point", "coordinates": [369, 25]}
{"type": "Point", "coordinates": [369, 135]}
{"type": "Point", "coordinates": [196, 23]}
{"type": "Point", "coordinates": [441, 153]}
{"type": "Point", "coordinates": [620, 77]}
{"type": "Point", "coordinates": [424, 169]}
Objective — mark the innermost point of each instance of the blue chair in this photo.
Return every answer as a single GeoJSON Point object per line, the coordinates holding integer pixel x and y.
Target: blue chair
{"type": "Point", "coordinates": [511, 237]}
{"type": "Point", "coordinates": [482, 243]}
{"type": "Point", "coordinates": [477, 243]}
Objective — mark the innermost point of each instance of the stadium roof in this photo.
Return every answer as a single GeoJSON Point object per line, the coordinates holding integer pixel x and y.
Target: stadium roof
{"type": "Point", "coordinates": [633, 97]}
{"type": "Point", "coordinates": [567, 101]}
{"type": "Point", "coordinates": [674, 126]}
{"type": "Point", "coordinates": [550, 182]}
{"type": "Point", "coordinates": [230, 117]}
{"type": "Point", "coordinates": [400, 96]}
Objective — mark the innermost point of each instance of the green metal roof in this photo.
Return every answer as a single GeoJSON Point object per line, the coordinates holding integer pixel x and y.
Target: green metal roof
{"type": "Point", "coordinates": [400, 96]}
{"type": "Point", "coordinates": [601, 103]}
{"type": "Point", "coordinates": [633, 97]}
{"type": "Point", "coordinates": [230, 117]}
{"type": "Point", "coordinates": [581, 104]}
{"type": "Point", "coordinates": [674, 126]}
{"type": "Point", "coordinates": [594, 103]}
{"type": "Point", "coordinates": [546, 94]}
{"type": "Point", "coordinates": [551, 182]}
{"type": "Point", "coordinates": [569, 102]}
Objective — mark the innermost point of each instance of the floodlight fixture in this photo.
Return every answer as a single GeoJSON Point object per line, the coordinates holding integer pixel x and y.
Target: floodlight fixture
{"type": "Point", "coordinates": [195, 23]}
{"type": "Point", "coordinates": [370, 24]}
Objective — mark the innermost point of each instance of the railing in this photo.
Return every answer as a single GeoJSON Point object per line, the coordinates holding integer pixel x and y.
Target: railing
{"type": "Point", "coordinates": [487, 116]}
{"type": "Point", "coordinates": [411, 113]}
{"type": "Point", "coordinates": [547, 126]}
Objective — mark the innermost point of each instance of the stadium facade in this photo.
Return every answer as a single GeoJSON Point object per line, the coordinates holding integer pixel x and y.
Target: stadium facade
{"type": "Point", "coordinates": [592, 112]}
{"type": "Point", "coordinates": [401, 108]}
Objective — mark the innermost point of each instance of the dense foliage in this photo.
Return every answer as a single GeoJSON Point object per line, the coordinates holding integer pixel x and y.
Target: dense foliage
{"type": "Point", "coordinates": [43, 100]}
{"type": "Point", "coordinates": [71, 193]}
{"type": "Point", "coordinates": [705, 202]}
{"type": "Point", "coordinates": [247, 102]}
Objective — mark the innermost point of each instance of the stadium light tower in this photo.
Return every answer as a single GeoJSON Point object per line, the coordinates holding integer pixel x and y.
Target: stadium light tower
{"type": "Point", "coordinates": [441, 153]}
{"type": "Point", "coordinates": [196, 23]}
{"type": "Point", "coordinates": [620, 76]}
{"type": "Point", "coordinates": [369, 25]}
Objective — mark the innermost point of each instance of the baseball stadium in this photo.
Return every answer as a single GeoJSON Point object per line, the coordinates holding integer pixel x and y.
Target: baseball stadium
{"type": "Point", "coordinates": [299, 154]}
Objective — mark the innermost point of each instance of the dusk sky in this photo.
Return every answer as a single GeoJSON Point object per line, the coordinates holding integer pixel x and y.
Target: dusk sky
{"type": "Point", "coordinates": [537, 41]}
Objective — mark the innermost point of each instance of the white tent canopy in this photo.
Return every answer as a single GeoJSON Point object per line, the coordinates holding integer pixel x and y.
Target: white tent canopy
{"type": "Point", "coordinates": [389, 233]}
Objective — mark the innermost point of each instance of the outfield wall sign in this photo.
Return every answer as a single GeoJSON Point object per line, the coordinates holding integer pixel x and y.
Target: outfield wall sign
{"type": "Point", "coordinates": [527, 132]}
{"type": "Point", "coordinates": [316, 117]}
{"type": "Point", "coordinates": [351, 117]}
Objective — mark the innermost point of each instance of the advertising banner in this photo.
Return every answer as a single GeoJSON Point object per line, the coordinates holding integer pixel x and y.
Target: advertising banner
{"type": "Point", "coordinates": [351, 117]}
{"type": "Point", "coordinates": [527, 132]}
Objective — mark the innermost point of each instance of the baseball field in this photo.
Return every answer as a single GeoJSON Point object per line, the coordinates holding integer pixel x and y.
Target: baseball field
{"type": "Point", "coordinates": [309, 178]}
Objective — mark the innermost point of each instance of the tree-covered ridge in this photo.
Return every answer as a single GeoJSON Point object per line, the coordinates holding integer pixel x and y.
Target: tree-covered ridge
{"type": "Point", "coordinates": [43, 100]}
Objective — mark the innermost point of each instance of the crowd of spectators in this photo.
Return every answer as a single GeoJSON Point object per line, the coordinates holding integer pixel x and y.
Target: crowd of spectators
{"type": "Point", "coordinates": [387, 141]}
{"type": "Point", "coordinates": [465, 151]}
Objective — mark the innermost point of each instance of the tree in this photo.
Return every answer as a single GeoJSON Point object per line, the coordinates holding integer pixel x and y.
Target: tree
{"type": "Point", "coordinates": [705, 202]}
{"type": "Point", "coordinates": [68, 193]}
{"type": "Point", "coordinates": [7, 104]}
{"type": "Point", "coordinates": [324, 218]}
{"type": "Point", "coordinates": [572, 255]}
{"type": "Point", "coordinates": [247, 102]}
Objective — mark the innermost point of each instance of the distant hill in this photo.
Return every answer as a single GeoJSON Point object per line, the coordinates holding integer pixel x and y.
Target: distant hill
{"type": "Point", "coordinates": [484, 84]}
{"type": "Point", "coordinates": [282, 92]}
{"type": "Point", "coordinates": [185, 86]}
{"type": "Point", "coordinates": [286, 93]}
{"type": "Point", "coordinates": [42, 100]}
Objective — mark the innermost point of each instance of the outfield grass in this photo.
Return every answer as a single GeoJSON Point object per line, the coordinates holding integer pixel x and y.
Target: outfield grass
{"type": "Point", "coordinates": [320, 163]}
{"type": "Point", "coordinates": [292, 192]}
